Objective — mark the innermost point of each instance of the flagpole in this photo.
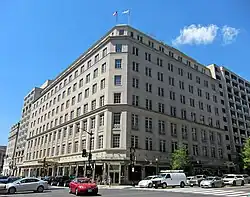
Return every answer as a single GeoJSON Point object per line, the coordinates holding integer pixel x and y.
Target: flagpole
{"type": "Point", "coordinates": [116, 19]}
{"type": "Point", "coordinates": [128, 17]}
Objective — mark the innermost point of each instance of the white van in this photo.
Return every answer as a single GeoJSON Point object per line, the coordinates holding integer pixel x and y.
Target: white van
{"type": "Point", "coordinates": [170, 178]}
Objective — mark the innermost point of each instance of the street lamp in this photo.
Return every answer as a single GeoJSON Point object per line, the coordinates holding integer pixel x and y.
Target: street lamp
{"type": "Point", "coordinates": [90, 146]}
{"type": "Point", "coordinates": [132, 162]}
{"type": "Point", "coordinates": [157, 166]}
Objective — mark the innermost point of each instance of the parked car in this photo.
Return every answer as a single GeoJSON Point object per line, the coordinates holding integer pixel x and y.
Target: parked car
{"type": "Point", "coordinates": [9, 180]}
{"type": "Point", "coordinates": [59, 180]}
{"type": "Point", "coordinates": [189, 178]}
{"type": "Point", "coordinates": [3, 188]}
{"type": "Point", "coordinates": [246, 178]}
{"type": "Point", "coordinates": [197, 180]}
{"type": "Point", "coordinates": [27, 184]}
{"type": "Point", "coordinates": [147, 182]}
{"type": "Point", "coordinates": [66, 183]}
{"type": "Point", "coordinates": [3, 179]}
{"type": "Point", "coordinates": [232, 179]}
{"type": "Point", "coordinates": [83, 186]}
{"type": "Point", "coordinates": [49, 179]}
{"type": "Point", "coordinates": [170, 178]}
{"type": "Point", "coordinates": [212, 182]}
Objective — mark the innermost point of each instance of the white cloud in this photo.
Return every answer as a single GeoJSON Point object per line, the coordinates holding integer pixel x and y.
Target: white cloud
{"type": "Point", "coordinates": [196, 34]}
{"type": "Point", "coordinates": [229, 34]}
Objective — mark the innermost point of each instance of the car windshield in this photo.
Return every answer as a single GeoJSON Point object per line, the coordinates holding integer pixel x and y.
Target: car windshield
{"type": "Point", "coordinates": [199, 176]}
{"type": "Point", "coordinates": [229, 177]}
{"type": "Point", "coordinates": [189, 178]}
{"type": "Point", "coordinates": [11, 180]}
{"type": "Point", "coordinates": [148, 178]}
{"type": "Point", "coordinates": [161, 175]}
{"type": "Point", "coordinates": [83, 181]}
{"type": "Point", "coordinates": [210, 178]}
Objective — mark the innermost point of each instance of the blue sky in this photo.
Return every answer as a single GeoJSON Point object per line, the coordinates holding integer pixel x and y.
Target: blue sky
{"type": "Point", "coordinates": [38, 39]}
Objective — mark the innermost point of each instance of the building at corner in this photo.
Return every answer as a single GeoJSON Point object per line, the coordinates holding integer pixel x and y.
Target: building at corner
{"type": "Point", "coordinates": [2, 156]}
{"type": "Point", "coordinates": [130, 90]}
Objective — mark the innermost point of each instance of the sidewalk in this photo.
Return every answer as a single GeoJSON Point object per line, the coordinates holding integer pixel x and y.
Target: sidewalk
{"type": "Point", "coordinates": [115, 186]}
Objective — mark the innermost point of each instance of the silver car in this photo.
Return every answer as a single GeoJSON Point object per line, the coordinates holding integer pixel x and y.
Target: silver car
{"type": "Point", "coordinates": [27, 184]}
{"type": "Point", "coordinates": [212, 182]}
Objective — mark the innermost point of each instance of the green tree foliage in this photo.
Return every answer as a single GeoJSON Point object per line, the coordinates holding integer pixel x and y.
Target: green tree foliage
{"type": "Point", "coordinates": [179, 159]}
{"type": "Point", "coordinates": [246, 154]}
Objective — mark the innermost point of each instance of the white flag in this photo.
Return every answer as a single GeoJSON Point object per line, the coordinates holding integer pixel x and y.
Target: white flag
{"type": "Point", "coordinates": [115, 13]}
{"type": "Point", "coordinates": [126, 12]}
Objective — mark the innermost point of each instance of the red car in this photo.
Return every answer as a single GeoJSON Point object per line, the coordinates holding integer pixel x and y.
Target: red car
{"type": "Point", "coordinates": [83, 186]}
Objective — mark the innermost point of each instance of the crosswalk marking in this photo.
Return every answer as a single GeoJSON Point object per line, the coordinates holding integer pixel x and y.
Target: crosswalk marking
{"type": "Point", "coordinates": [213, 192]}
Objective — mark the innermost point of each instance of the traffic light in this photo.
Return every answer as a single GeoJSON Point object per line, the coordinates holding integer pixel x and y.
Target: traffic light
{"type": "Point", "coordinates": [90, 156]}
{"type": "Point", "coordinates": [84, 153]}
{"type": "Point", "coordinates": [44, 162]}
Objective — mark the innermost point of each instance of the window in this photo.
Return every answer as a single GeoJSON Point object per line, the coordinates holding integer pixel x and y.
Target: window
{"type": "Point", "coordinates": [135, 51]}
{"type": "Point", "coordinates": [67, 104]}
{"type": "Point", "coordinates": [101, 119]}
{"type": "Point", "coordinates": [161, 127]}
{"type": "Point", "coordinates": [149, 87]}
{"type": "Point", "coordinates": [95, 74]}
{"type": "Point", "coordinates": [84, 144]}
{"type": "Point", "coordinates": [102, 84]}
{"type": "Point", "coordinates": [117, 97]}
{"type": "Point", "coordinates": [172, 95]}
{"type": "Point", "coordinates": [204, 151]}
{"type": "Point", "coordinates": [171, 81]}
{"type": "Point", "coordinates": [148, 143]}
{"type": "Point", "coordinates": [89, 64]}
{"type": "Point", "coordinates": [162, 145]}
{"type": "Point", "coordinates": [74, 87]}
{"type": "Point", "coordinates": [85, 108]}
{"type": "Point", "coordinates": [71, 115]}
{"type": "Point", "coordinates": [147, 56]}
{"type": "Point", "coordinates": [190, 76]}
{"type": "Point", "coordinates": [92, 123]}
{"type": "Point", "coordinates": [183, 114]}
{"type": "Point", "coordinates": [117, 80]}
{"type": "Point", "coordinates": [173, 111]}
{"type": "Point", "coordinates": [79, 98]}
{"type": "Point", "coordinates": [135, 67]}
{"type": "Point", "coordinates": [73, 101]}
{"type": "Point", "coordinates": [206, 83]}
{"type": "Point", "coordinates": [160, 76]}
{"type": "Point", "coordinates": [135, 100]}
{"type": "Point", "coordinates": [198, 80]}
{"type": "Point", "coordinates": [69, 91]}
{"type": "Point", "coordinates": [213, 154]}
{"type": "Point", "coordinates": [148, 72]}
{"type": "Point", "coordinates": [100, 141]}
{"type": "Point", "coordinates": [174, 146]}
{"type": "Point", "coordinates": [160, 91]}
{"type": "Point", "coordinates": [184, 132]}
{"type": "Point", "coordinates": [181, 85]}
{"type": "Point", "coordinates": [192, 103]}
{"type": "Point", "coordinates": [134, 121]}
{"type": "Point", "coordinates": [161, 107]}
{"type": "Point", "coordinates": [195, 150]}
{"type": "Point", "coordinates": [194, 134]}
{"type": "Point", "coordinates": [173, 128]}
{"type": "Point", "coordinates": [182, 99]}
{"type": "Point", "coordinates": [135, 83]}
{"type": "Point", "coordinates": [101, 102]}
{"type": "Point", "coordinates": [148, 124]}
{"type": "Point", "coordinates": [86, 95]}
{"type": "Point", "coordinates": [116, 119]}
{"type": "Point", "coordinates": [76, 147]}
{"type": "Point", "coordinates": [116, 141]}
{"type": "Point", "coordinates": [159, 62]}
{"type": "Point", "coordinates": [148, 104]}
{"type": "Point", "coordinates": [118, 63]}
{"type": "Point", "coordinates": [103, 68]}
{"type": "Point", "coordinates": [134, 141]}
{"type": "Point", "coordinates": [180, 71]}
{"type": "Point", "coordinates": [93, 105]}
{"type": "Point", "coordinates": [170, 67]}
{"type": "Point", "coordinates": [87, 78]}
{"type": "Point", "coordinates": [94, 88]}
{"type": "Point", "coordinates": [82, 69]}
{"type": "Point", "coordinates": [191, 89]}
{"type": "Point", "coordinates": [104, 52]}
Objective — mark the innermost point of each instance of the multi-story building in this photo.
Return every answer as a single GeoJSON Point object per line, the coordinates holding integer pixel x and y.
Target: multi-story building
{"type": "Point", "coordinates": [2, 156]}
{"type": "Point", "coordinates": [235, 94]}
{"type": "Point", "coordinates": [9, 166]}
{"type": "Point", "coordinates": [130, 90]}
{"type": "Point", "coordinates": [24, 122]}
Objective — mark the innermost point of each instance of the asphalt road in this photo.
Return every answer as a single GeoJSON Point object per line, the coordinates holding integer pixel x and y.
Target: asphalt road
{"type": "Point", "coordinates": [176, 192]}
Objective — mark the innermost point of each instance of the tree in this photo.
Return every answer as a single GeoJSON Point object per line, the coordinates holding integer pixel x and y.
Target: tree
{"type": "Point", "coordinates": [179, 159]}
{"type": "Point", "coordinates": [246, 154]}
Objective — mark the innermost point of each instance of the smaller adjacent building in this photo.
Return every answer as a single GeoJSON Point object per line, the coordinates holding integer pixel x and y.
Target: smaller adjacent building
{"type": "Point", "coordinates": [2, 156]}
{"type": "Point", "coordinates": [9, 164]}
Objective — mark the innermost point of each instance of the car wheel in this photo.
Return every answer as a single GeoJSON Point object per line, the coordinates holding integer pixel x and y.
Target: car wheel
{"type": "Point", "coordinates": [64, 184]}
{"type": "Point", "coordinates": [242, 183]}
{"type": "Point", "coordinates": [70, 191]}
{"type": "Point", "coordinates": [12, 190]}
{"type": "Point", "coordinates": [182, 185]}
{"type": "Point", "coordinates": [222, 185]}
{"type": "Point", "coordinates": [77, 194]}
{"type": "Point", "coordinates": [150, 185]}
{"type": "Point", "coordinates": [58, 184]}
{"type": "Point", "coordinates": [234, 183]}
{"type": "Point", "coordinates": [40, 189]}
{"type": "Point", "coordinates": [213, 186]}
{"type": "Point", "coordinates": [164, 185]}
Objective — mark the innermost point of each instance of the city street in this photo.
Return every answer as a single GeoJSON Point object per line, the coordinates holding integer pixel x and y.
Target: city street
{"type": "Point", "coordinates": [128, 192]}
